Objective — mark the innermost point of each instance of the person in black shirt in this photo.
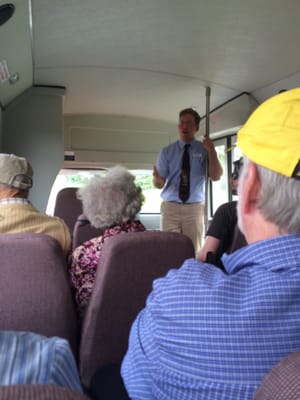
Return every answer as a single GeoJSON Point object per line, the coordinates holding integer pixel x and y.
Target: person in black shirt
{"type": "Point", "coordinates": [223, 234]}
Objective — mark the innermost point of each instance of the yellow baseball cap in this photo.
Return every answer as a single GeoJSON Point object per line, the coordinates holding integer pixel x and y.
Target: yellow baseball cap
{"type": "Point", "coordinates": [271, 135]}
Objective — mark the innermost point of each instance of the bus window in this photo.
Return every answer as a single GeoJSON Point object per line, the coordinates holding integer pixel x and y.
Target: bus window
{"type": "Point", "coordinates": [236, 155]}
{"type": "Point", "coordinates": [78, 178]}
{"type": "Point", "coordinates": [219, 189]}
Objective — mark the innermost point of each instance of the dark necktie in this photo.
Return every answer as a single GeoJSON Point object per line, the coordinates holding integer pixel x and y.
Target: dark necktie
{"type": "Point", "coordinates": [184, 186]}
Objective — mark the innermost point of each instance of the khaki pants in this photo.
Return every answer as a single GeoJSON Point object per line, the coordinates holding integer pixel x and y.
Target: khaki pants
{"type": "Point", "coordinates": [183, 218]}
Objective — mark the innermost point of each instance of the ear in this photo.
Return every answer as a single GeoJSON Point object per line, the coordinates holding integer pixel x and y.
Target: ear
{"type": "Point", "coordinates": [250, 190]}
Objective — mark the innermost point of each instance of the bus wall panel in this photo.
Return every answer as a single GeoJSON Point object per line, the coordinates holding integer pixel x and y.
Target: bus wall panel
{"type": "Point", "coordinates": [33, 128]}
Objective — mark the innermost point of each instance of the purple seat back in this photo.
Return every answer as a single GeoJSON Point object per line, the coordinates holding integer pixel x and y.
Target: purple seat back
{"type": "Point", "coordinates": [39, 392]}
{"type": "Point", "coordinates": [282, 382]}
{"type": "Point", "coordinates": [84, 231]}
{"type": "Point", "coordinates": [129, 263]}
{"type": "Point", "coordinates": [67, 206]}
{"type": "Point", "coordinates": [35, 293]}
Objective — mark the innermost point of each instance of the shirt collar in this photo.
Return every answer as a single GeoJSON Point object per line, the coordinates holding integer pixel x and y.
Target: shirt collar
{"type": "Point", "coordinates": [14, 200]}
{"type": "Point", "coordinates": [275, 254]}
{"type": "Point", "coordinates": [182, 143]}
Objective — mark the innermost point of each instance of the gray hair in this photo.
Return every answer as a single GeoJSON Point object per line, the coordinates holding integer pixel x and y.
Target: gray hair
{"type": "Point", "coordinates": [111, 199]}
{"type": "Point", "coordinates": [279, 198]}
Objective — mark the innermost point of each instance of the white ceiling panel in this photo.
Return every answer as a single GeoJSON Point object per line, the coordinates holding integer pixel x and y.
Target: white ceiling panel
{"type": "Point", "coordinates": [150, 58]}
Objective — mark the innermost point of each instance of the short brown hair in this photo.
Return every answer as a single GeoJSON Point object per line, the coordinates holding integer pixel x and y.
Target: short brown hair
{"type": "Point", "coordinates": [192, 112]}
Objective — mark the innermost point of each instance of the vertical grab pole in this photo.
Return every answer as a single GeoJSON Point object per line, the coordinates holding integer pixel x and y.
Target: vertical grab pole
{"type": "Point", "coordinates": [207, 97]}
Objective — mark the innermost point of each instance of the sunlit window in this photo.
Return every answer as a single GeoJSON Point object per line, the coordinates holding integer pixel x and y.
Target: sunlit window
{"type": "Point", "coordinates": [79, 178]}
{"type": "Point", "coordinates": [220, 187]}
{"type": "Point", "coordinates": [219, 192]}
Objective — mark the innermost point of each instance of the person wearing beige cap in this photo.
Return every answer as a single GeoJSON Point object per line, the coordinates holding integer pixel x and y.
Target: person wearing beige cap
{"type": "Point", "coordinates": [17, 214]}
{"type": "Point", "coordinates": [207, 334]}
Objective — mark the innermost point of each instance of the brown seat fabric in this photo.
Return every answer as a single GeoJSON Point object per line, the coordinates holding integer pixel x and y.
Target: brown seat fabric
{"type": "Point", "coordinates": [39, 392]}
{"type": "Point", "coordinates": [84, 231]}
{"type": "Point", "coordinates": [283, 381]}
{"type": "Point", "coordinates": [67, 206]}
{"type": "Point", "coordinates": [129, 263]}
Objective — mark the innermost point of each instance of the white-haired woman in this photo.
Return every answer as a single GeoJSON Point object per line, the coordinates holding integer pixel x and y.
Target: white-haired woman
{"type": "Point", "coordinates": [112, 202]}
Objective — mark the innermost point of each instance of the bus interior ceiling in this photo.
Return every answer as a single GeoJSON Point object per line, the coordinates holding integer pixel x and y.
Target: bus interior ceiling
{"type": "Point", "coordinates": [105, 80]}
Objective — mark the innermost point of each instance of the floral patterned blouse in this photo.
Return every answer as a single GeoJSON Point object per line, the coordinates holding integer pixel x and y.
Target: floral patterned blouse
{"type": "Point", "coordinates": [85, 260]}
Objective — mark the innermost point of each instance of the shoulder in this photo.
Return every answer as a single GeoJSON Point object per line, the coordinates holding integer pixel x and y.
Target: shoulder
{"type": "Point", "coordinates": [197, 146]}
{"type": "Point", "coordinates": [59, 229]}
{"type": "Point", "coordinates": [60, 222]}
{"type": "Point", "coordinates": [47, 218]}
{"type": "Point", "coordinates": [229, 208]}
{"type": "Point", "coordinates": [192, 275]}
{"type": "Point", "coordinates": [171, 147]}
{"type": "Point", "coordinates": [89, 246]}
{"type": "Point", "coordinates": [23, 341]}
{"type": "Point", "coordinates": [182, 291]}
{"type": "Point", "coordinates": [55, 222]}
{"type": "Point", "coordinates": [224, 218]}
{"type": "Point", "coordinates": [197, 143]}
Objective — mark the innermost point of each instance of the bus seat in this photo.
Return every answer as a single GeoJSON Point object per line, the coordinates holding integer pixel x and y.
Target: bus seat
{"type": "Point", "coordinates": [282, 381]}
{"type": "Point", "coordinates": [39, 392]}
{"type": "Point", "coordinates": [84, 231]}
{"type": "Point", "coordinates": [35, 293]}
{"type": "Point", "coordinates": [129, 263]}
{"type": "Point", "coordinates": [67, 206]}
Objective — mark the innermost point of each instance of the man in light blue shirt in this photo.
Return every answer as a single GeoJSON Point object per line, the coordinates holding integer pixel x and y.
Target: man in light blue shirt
{"type": "Point", "coordinates": [209, 335]}
{"type": "Point", "coordinates": [177, 214]}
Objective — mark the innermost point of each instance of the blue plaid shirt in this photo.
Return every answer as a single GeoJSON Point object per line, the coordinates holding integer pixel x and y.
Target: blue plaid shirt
{"type": "Point", "coordinates": [29, 358]}
{"type": "Point", "coordinates": [210, 336]}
